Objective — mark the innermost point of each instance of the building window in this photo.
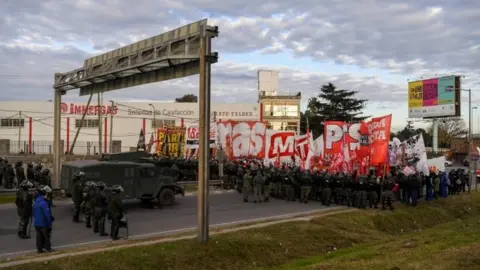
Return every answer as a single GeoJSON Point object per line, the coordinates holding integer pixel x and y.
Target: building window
{"type": "Point", "coordinates": [159, 123]}
{"type": "Point", "coordinates": [11, 122]}
{"type": "Point", "coordinates": [87, 123]}
{"type": "Point", "coordinates": [282, 110]}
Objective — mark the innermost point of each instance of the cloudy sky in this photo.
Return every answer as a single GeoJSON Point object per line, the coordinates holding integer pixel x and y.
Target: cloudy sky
{"type": "Point", "coordinates": [371, 46]}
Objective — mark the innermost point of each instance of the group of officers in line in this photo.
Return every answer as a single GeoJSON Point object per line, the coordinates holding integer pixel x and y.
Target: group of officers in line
{"type": "Point", "coordinates": [11, 176]}
{"type": "Point", "coordinates": [91, 199]}
{"type": "Point", "coordinates": [291, 183]}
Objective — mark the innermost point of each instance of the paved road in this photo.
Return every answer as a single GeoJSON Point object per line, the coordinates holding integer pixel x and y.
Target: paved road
{"type": "Point", "coordinates": [226, 208]}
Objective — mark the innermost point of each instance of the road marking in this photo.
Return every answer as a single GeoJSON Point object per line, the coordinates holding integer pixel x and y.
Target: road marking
{"type": "Point", "coordinates": [146, 235]}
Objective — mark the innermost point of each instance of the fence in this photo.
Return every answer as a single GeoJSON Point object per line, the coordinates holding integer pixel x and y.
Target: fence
{"type": "Point", "coordinates": [46, 147]}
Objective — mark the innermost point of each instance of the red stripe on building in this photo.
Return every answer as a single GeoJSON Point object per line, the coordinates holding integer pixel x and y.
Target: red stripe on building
{"type": "Point", "coordinates": [144, 126]}
{"type": "Point", "coordinates": [182, 122]}
{"type": "Point", "coordinates": [30, 127]}
{"type": "Point", "coordinates": [105, 136]}
{"type": "Point", "coordinates": [68, 135]}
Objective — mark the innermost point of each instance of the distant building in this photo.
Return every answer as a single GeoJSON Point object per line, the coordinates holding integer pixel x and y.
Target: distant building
{"type": "Point", "coordinates": [281, 111]}
{"type": "Point", "coordinates": [28, 126]}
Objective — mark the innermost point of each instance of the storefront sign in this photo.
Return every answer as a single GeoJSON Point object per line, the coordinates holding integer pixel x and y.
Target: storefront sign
{"type": "Point", "coordinates": [166, 112]}
{"type": "Point", "coordinates": [90, 110]}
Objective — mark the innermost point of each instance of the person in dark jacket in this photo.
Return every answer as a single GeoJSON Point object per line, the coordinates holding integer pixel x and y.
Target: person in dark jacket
{"type": "Point", "coordinates": [24, 201]}
{"type": "Point", "coordinates": [77, 195]}
{"type": "Point", "coordinates": [43, 220]}
{"type": "Point", "coordinates": [115, 211]}
{"type": "Point", "coordinates": [100, 209]}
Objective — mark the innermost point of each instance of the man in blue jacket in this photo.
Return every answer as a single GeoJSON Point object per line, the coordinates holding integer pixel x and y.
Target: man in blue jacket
{"type": "Point", "coordinates": [43, 219]}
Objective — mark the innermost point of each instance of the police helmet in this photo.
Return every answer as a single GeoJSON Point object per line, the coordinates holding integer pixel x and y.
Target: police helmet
{"type": "Point", "coordinates": [101, 185]}
{"type": "Point", "coordinates": [30, 165]}
{"type": "Point", "coordinates": [5, 160]}
{"type": "Point", "coordinates": [46, 171]}
{"type": "Point", "coordinates": [117, 189]}
{"type": "Point", "coordinates": [78, 174]}
{"type": "Point", "coordinates": [26, 184]}
{"type": "Point", "coordinates": [39, 166]}
{"type": "Point", "coordinates": [44, 189]}
{"type": "Point", "coordinates": [90, 184]}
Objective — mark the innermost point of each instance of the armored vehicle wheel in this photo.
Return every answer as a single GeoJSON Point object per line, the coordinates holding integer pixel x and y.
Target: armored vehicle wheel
{"type": "Point", "coordinates": [166, 197]}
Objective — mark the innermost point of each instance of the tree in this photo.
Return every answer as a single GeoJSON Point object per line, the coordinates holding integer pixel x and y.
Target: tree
{"type": "Point", "coordinates": [407, 132]}
{"type": "Point", "coordinates": [190, 98]}
{"type": "Point", "coordinates": [448, 129]}
{"type": "Point", "coordinates": [333, 104]}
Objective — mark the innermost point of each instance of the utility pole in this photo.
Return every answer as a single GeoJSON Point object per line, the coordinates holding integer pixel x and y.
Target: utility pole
{"type": "Point", "coordinates": [470, 141]}
{"type": "Point", "coordinates": [19, 129]}
{"type": "Point", "coordinates": [111, 128]}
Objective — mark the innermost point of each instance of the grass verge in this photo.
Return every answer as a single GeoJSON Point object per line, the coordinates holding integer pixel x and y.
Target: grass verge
{"type": "Point", "coordinates": [7, 199]}
{"type": "Point", "coordinates": [288, 242]}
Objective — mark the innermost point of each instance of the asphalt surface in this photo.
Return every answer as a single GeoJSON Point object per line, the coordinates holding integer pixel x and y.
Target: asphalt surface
{"type": "Point", "coordinates": [226, 208]}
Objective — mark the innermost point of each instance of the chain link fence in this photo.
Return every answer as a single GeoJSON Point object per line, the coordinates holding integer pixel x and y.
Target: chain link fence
{"type": "Point", "coordinates": [46, 147]}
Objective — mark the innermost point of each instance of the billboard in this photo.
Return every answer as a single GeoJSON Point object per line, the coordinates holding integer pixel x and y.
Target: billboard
{"type": "Point", "coordinates": [437, 97]}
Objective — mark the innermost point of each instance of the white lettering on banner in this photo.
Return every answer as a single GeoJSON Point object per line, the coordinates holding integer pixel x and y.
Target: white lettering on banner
{"type": "Point", "coordinates": [377, 134]}
{"type": "Point", "coordinates": [281, 143]}
{"type": "Point", "coordinates": [252, 138]}
{"type": "Point", "coordinates": [247, 140]}
{"type": "Point", "coordinates": [335, 134]}
{"type": "Point", "coordinates": [193, 132]}
{"type": "Point", "coordinates": [302, 144]}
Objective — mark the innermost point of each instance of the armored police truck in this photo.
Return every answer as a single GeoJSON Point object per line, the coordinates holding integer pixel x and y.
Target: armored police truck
{"type": "Point", "coordinates": [141, 181]}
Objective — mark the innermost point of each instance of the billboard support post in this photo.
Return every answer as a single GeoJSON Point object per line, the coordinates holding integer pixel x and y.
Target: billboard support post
{"type": "Point", "coordinates": [435, 135]}
{"type": "Point", "coordinates": [470, 141]}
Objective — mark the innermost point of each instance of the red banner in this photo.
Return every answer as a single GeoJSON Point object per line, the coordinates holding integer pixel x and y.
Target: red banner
{"type": "Point", "coordinates": [379, 136]}
{"type": "Point", "coordinates": [357, 145]}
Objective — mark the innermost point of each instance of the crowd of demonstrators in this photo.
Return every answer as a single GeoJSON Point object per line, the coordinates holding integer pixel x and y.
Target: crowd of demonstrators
{"type": "Point", "coordinates": [12, 175]}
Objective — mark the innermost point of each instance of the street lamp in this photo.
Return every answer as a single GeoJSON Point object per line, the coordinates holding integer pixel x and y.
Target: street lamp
{"type": "Point", "coordinates": [154, 115]}
{"type": "Point", "coordinates": [478, 126]}
{"type": "Point", "coordinates": [110, 145]}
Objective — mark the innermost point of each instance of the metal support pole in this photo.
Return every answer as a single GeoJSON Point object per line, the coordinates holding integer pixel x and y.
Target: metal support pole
{"type": "Point", "coordinates": [435, 135]}
{"type": "Point", "coordinates": [473, 182]}
{"type": "Point", "coordinates": [99, 111]}
{"type": "Point", "coordinates": [204, 142]}
{"type": "Point", "coordinates": [81, 125]}
{"type": "Point", "coordinates": [19, 129]}
{"type": "Point", "coordinates": [57, 151]}
{"type": "Point", "coordinates": [110, 141]}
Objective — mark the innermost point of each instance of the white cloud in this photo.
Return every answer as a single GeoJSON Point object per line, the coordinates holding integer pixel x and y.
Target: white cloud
{"type": "Point", "coordinates": [411, 39]}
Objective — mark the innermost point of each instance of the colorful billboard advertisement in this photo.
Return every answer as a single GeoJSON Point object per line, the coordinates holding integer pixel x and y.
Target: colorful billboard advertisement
{"type": "Point", "coordinates": [434, 97]}
{"type": "Point", "coordinates": [170, 141]}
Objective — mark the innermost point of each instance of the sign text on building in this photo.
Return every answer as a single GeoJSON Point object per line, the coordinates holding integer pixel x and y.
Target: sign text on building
{"type": "Point", "coordinates": [91, 110]}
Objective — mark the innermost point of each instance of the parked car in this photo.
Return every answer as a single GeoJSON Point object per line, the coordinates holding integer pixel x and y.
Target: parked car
{"type": "Point", "coordinates": [448, 163]}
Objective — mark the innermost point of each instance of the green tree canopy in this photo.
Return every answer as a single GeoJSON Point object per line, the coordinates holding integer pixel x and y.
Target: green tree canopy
{"type": "Point", "coordinates": [332, 104]}
{"type": "Point", "coordinates": [191, 98]}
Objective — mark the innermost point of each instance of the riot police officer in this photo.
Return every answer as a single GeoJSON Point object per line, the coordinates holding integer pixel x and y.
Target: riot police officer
{"type": "Point", "coordinates": [387, 193]}
{"type": "Point", "coordinates": [30, 172]}
{"type": "Point", "coordinates": [258, 183]}
{"type": "Point", "coordinates": [9, 176]}
{"type": "Point", "coordinates": [77, 195]}
{"type": "Point", "coordinates": [20, 172]}
{"type": "Point", "coordinates": [101, 204]}
{"type": "Point", "coordinates": [24, 202]}
{"type": "Point", "coordinates": [88, 202]}
{"type": "Point", "coordinates": [247, 184]}
{"type": "Point", "coordinates": [115, 211]}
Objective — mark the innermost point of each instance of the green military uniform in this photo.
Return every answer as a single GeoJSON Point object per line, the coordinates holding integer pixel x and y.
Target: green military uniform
{"type": "Point", "coordinates": [306, 186]}
{"type": "Point", "coordinates": [115, 213]}
{"type": "Point", "coordinates": [101, 204]}
{"type": "Point", "coordinates": [89, 203]}
{"type": "Point", "coordinates": [77, 198]}
{"type": "Point", "coordinates": [247, 185]}
{"type": "Point", "coordinates": [258, 183]}
{"type": "Point", "coordinates": [388, 198]}
{"type": "Point", "coordinates": [288, 185]}
{"type": "Point", "coordinates": [24, 203]}
{"type": "Point", "coordinates": [268, 188]}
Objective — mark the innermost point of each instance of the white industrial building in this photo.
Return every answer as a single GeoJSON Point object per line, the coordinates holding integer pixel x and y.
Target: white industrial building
{"type": "Point", "coordinates": [28, 126]}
